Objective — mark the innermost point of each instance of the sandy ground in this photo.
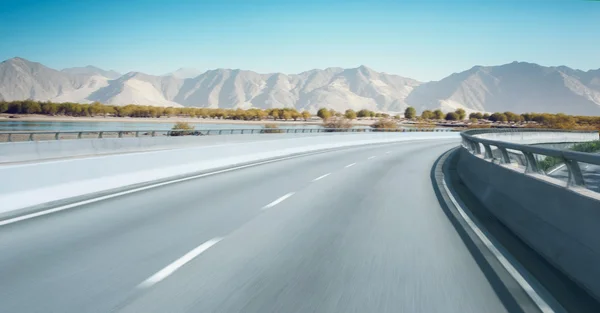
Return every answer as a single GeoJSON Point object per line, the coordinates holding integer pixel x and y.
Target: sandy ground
{"type": "Point", "coordinates": [37, 118]}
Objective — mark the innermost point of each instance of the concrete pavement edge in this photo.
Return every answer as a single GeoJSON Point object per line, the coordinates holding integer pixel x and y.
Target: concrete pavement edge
{"type": "Point", "coordinates": [512, 294]}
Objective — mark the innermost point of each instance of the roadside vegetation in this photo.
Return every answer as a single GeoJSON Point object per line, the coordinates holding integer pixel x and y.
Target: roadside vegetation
{"type": "Point", "coordinates": [384, 123]}
{"type": "Point", "coordinates": [98, 109]}
{"type": "Point", "coordinates": [457, 117]}
{"type": "Point", "coordinates": [182, 129]}
{"type": "Point", "coordinates": [550, 162]}
{"type": "Point", "coordinates": [508, 119]}
{"type": "Point", "coordinates": [332, 124]}
{"type": "Point", "coordinates": [271, 128]}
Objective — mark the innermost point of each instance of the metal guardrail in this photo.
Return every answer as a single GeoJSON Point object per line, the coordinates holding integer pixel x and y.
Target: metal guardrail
{"type": "Point", "coordinates": [97, 134]}
{"type": "Point", "coordinates": [570, 158]}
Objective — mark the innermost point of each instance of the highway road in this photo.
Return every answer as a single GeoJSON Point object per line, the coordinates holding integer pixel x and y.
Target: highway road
{"type": "Point", "coordinates": [590, 172]}
{"type": "Point", "coordinates": [354, 230]}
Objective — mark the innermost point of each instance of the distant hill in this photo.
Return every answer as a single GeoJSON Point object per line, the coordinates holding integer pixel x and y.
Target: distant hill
{"type": "Point", "coordinates": [518, 87]}
{"type": "Point", "coordinates": [91, 70]}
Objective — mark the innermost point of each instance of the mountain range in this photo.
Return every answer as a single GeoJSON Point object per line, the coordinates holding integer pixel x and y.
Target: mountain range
{"type": "Point", "coordinates": [518, 87]}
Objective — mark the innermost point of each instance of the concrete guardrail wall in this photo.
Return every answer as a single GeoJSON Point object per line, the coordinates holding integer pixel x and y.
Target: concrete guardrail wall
{"type": "Point", "coordinates": [41, 150]}
{"type": "Point", "coordinates": [52, 149]}
{"type": "Point", "coordinates": [42, 182]}
{"type": "Point", "coordinates": [562, 224]}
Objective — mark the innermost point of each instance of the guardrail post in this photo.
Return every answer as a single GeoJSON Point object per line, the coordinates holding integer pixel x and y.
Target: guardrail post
{"type": "Point", "coordinates": [137, 134]}
{"type": "Point", "coordinates": [488, 151]}
{"type": "Point", "coordinates": [575, 176]}
{"type": "Point", "coordinates": [476, 147]}
{"type": "Point", "coordinates": [153, 133]}
{"type": "Point", "coordinates": [531, 163]}
{"type": "Point", "coordinates": [56, 136]}
{"type": "Point", "coordinates": [100, 134]}
{"type": "Point", "coordinates": [9, 138]}
{"type": "Point", "coordinates": [505, 157]}
{"type": "Point", "coordinates": [220, 130]}
{"type": "Point", "coordinates": [242, 132]}
{"type": "Point", "coordinates": [79, 135]}
{"type": "Point", "coordinates": [31, 137]}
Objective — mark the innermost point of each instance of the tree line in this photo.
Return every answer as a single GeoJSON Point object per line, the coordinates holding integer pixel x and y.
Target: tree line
{"type": "Point", "coordinates": [132, 110]}
{"type": "Point", "coordinates": [352, 115]}
{"type": "Point", "coordinates": [558, 121]}
{"type": "Point", "coordinates": [98, 109]}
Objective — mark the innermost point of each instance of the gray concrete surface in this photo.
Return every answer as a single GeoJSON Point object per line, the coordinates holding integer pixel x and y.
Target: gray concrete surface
{"type": "Point", "coordinates": [539, 137]}
{"type": "Point", "coordinates": [367, 238]}
{"type": "Point", "coordinates": [11, 152]}
{"type": "Point", "coordinates": [560, 224]}
{"type": "Point", "coordinates": [37, 183]}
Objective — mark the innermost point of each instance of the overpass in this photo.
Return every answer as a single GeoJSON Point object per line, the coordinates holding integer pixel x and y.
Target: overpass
{"type": "Point", "coordinates": [344, 222]}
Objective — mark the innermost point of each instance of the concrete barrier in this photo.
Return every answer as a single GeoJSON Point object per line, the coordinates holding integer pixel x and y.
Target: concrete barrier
{"type": "Point", "coordinates": [561, 224]}
{"type": "Point", "coordinates": [42, 150]}
{"type": "Point", "coordinates": [534, 137]}
{"type": "Point", "coordinates": [37, 183]}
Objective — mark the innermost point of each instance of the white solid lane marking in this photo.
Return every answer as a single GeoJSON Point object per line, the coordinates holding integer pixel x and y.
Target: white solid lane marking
{"type": "Point", "coordinates": [118, 194]}
{"type": "Point", "coordinates": [544, 307]}
{"type": "Point", "coordinates": [321, 177]}
{"type": "Point", "coordinates": [556, 169]}
{"type": "Point", "coordinates": [372, 157]}
{"type": "Point", "coordinates": [274, 203]}
{"type": "Point", "coordinates": [350, 165]}
{"type": "Point", "coordinates": [171, 268]}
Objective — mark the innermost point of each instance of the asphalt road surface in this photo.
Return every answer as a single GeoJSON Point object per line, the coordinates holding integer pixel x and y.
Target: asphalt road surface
{"type": "Point", "coordinates": [354, 230]}
{"type": "Point", "coordinates": [590, 172]}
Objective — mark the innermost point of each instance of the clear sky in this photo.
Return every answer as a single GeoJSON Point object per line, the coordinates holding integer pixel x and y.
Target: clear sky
{"type": "Point", "coordinates": [421, 39]}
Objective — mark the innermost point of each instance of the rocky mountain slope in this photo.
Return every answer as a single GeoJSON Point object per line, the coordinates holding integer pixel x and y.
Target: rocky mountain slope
{"type": "Point", "coordinates": [518, 87]}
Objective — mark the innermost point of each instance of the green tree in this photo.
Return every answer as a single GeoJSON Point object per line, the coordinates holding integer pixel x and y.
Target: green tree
{"type": "Point", "coordinates": [324, 114]}
{"type": "Point", "coordinates": [438, 114]}
{"type": "Point", "coordinates": [452, 116]}
{"type": "Point", "coordinates": [274, 114]}
{"type": "Point", "coordinates": [461, 114]}
{"type": "Point", "coordinates": [427, 115]}
{"type": "Point", "coordinates": [475, 115]}
{"type": "Point", "coordinates": [512, 117]}
{"type": "Point", "coordinates": [410, 113]}
{"type": "Point", "coordinates": [350, 114]}
{"type": "Point", "coordinates": [286, 115]}
{"type": "Point", "coordinates": [363, 113]}
{"type": "Point", "coordinates": [486, 116]}
{"type": "Point", "coordinates": [498, 117]}
{"type": "Point", "coordinates": [32, 108]}
{"type": "Point", "coordinates": [305, 115]}
{"type": "Point", "coordinates": [169, 111]}
{"type": "Point", "coordinates": [261, 115]}
{"type": "Point", "coordinates": [49, 108]}
{"type": "Point", "coordinates": [296, 115]}
{"type": "Point", "coordinates": [3, 107]}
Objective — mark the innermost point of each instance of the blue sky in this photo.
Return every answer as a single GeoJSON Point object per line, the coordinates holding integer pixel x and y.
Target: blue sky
{"type": "Point", "coordinates": [422, 39]}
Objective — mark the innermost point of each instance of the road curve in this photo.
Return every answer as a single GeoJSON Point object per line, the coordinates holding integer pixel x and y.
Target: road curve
{"type": "Point", "coordinates": [354, 230]}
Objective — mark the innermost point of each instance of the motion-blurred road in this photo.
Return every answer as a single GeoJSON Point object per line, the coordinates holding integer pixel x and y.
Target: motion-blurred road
{"type": "Point", "coordinates": [353, 230]}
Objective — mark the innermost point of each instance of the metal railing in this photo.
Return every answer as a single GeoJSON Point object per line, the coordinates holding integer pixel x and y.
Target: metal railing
{"type": "Point", "coordinates": [531, 154]}
{"type": "Point", "coordinates": [14, 136]}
